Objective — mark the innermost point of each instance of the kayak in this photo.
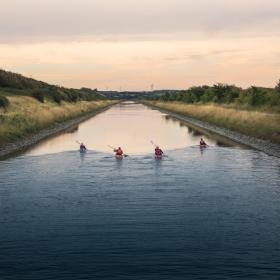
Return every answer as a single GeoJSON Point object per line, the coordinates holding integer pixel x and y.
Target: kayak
{"type": "Point", "coordinates": [203, 146]}
{"type": "Point", "coordinates": [158, 156]}
{"type": "Point", "coordinates": [82, 151]}
{"type": "Point", "coordinates": [119, 156]}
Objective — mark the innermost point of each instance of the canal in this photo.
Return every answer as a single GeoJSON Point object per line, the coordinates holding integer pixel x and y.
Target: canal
{"type": "Point", "coordinates": [195, 214]}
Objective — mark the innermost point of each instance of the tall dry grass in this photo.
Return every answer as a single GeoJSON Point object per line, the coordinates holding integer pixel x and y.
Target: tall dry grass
{"type": "Point", "coordinates": [253, 123]}
{"type": "Point", "coordinates": [25, 115]}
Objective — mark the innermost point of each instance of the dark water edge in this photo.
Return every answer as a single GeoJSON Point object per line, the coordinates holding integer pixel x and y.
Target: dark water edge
{"type": "Point", "coordinates": [210, 214]}
{"type": "Point", "coordinates": [25, 143]}
{"type": "Point", "coordinates": [225, 134]}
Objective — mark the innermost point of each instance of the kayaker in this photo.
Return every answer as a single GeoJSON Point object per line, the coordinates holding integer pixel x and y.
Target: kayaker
{"type": "Point", "coordinates": [119, 152]}
{"type": "Point", "coordinates": [158, 152]}
{"type": "Point", "coordinates": [202, 143]}
{"type": "Point", "coordinates": [82, 147]}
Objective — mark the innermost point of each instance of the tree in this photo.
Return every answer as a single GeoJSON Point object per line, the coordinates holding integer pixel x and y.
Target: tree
{"type": "Point", "coordinates": [255, 96]}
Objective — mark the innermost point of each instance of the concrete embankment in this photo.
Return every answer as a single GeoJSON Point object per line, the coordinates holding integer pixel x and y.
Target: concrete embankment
{"type": "Point", "coordinates": [265, 146]}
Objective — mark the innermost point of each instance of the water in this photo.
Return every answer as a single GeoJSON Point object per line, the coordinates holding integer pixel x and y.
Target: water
{"type": "Point", "coordinates": [132, 126]}
{"type": "Point", "coordinates": [211, 214]}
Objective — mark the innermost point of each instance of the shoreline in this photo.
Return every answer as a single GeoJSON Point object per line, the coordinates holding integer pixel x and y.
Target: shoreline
{"type": "Point", "coordinates": [239, 138]}
{"type": "Point", "coordinates": [19, 146]}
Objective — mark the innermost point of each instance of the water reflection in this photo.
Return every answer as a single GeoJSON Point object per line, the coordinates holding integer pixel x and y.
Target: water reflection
{"type": "Point", "coordinates": [195, 132]}
{"type": "Point", "coordinates": [202, 150]}
{"type": "Point", "coordinates": [82, 156]}
{"type": "Point", "coordinates": [129, 125]}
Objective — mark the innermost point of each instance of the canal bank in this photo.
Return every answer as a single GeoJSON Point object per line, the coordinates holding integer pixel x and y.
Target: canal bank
{"type": "Point", "coordinates": [18, 146]}
{"type": "Point", "coordinates": [90, 216]}
{"type": "Point", "coordinates": [249, 141]}
{"type": "Point", "coordinates": [125, 125]}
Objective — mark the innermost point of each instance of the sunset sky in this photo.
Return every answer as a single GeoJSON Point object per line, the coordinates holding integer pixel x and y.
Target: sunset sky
{"type": "Point", "coordinates": [108, 44]}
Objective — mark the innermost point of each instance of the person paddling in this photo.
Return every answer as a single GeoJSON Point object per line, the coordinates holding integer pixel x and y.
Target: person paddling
{"type": "Point", "coordinates": [119, 152]}
{"type": "Point", "coordinates": [158, 152]}
{"type": "Point", "coordinates": [83, 147]}
{"type": "Point", "coordinates": [202, 143]}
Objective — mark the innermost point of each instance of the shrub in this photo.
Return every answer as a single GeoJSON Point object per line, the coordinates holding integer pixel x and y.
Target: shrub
{"type": "Point", "coordinates": [55, 96]}
{"type": "Point", "coordinates": [13, 80]}
{"type": "Point", "coordinates": [39, 95]}
{"type": "Point", "coordinates": [4, 102]}
{"type": "Point", "coordinates": [255, 96]}
{"type": "Point", "coordinates": [72, 96]}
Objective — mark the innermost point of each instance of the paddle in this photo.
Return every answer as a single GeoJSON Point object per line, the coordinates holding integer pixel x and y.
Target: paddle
{"type": "Point", "coordinates": [153, 143]}
{"type": "Point", "coordinates": [80, 144]}
{"type": "Point", "coordinates": [111, 147]}
{"type": "Point", "coordinates": [115, 149]}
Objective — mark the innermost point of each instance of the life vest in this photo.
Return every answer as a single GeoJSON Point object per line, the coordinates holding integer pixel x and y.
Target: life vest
{"type": "Point", "coordinates": [119, 152]}
{"type": "Point", "coordinates": [158, 152]}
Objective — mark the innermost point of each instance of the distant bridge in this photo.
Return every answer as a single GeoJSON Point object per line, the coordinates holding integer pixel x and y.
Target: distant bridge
{"type": "Point", "coordinates": [133, 95]}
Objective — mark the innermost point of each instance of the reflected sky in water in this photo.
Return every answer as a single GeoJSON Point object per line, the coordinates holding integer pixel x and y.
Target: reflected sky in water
{"type": "Point", "coordinates": [129, 125]}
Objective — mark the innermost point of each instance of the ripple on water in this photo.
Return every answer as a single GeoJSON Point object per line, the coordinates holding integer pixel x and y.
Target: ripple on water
{"type": "Point", "coordinates": [199, 215]}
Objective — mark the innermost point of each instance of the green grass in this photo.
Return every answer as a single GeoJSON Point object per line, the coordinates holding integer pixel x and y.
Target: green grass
{"type": "Point", "coordinates": [255, 123]}
{"type": "Point", "coordinates": [25, 115]}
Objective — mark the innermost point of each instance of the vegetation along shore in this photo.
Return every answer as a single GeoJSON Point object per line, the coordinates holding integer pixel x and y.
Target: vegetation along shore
{"type": "Point", "coordinates": [253, 112]}
{"type": "Point", "coordinates": [28, 106]}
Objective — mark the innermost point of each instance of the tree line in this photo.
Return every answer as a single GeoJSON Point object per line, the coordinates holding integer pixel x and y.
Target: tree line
{"type": "Point", "coordinates": [16, 84]}
{"type": "Point", "coordinates": [226, 94]}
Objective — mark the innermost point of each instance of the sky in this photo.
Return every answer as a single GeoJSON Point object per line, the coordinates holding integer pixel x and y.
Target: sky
{"type": "Point", "coordinates": [142, 44]}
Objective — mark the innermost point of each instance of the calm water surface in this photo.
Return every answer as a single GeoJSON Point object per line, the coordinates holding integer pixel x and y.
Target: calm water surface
{"type": "Point", "coordinates": [129, 125]}
{"type": "Point", "coordinates": [212, 214]}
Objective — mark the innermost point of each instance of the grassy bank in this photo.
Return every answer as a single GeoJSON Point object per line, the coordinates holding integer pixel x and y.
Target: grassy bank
{"type": "Point", "coordinates": [259, 124]}
{"type": "Point", "coordinates": [26, 115]}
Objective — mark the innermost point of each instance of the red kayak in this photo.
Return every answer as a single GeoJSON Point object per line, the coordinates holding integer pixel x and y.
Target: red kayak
{"type": "Point", "coordinates": [158, 156]}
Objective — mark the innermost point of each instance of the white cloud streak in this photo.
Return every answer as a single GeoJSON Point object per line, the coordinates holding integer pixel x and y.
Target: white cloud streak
{"type": "Point", "coordinates": [39, 19]}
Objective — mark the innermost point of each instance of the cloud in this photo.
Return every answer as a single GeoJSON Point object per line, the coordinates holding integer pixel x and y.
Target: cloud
{"type": "Point", "coordinates": [198, 56]}
{"type": "Point", "coordinates": [171, 43]}
{"type": "Point", "coordinates": [64, 19]}
{"type": "Point", "coordinates": [136, 65]}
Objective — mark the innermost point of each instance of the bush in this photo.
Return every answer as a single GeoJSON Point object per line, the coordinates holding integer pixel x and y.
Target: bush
{"type": "Point", "coordinates": [13, 80]}
{"type": "Point", "coordinates": [55, 95]}
{"type": "Point", "coordinates": [256, 96]}
{"type": "Point", "coordinates": [72, 96]}
{"type": "Point", "coordinates": [224, 93]}
{"type": "Point", "coordinates": [39, 95]}
{"type": "Point", "coordinates": [227, 94]}
{"type": "Point", "coordinates": [4, 102]}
